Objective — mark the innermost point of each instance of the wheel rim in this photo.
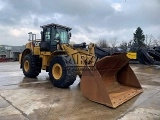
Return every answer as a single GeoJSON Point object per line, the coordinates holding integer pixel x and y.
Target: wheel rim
{"type": "Point", "coordinates": [26, 66]}
{"type": "Point", "coordinates": [57, 71]}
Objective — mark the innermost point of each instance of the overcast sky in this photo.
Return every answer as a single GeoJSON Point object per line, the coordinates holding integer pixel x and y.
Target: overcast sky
{"type": "Point", "coordinates": [90, 20]}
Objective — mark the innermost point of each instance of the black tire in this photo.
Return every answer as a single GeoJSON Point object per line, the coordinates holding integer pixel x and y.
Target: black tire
{"type": "Point", "coordinates": [34, 66]}
{"type": "Point", "coordinates": [68, 75]}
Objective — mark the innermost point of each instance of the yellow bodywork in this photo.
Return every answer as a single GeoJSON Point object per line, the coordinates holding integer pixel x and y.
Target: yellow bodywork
{"type": "Point", "coordinates": [132, 55]}
{"type": "Point", "coordinates": [80, 56]}
{"type": "Point", "coordinates": [20, 57]}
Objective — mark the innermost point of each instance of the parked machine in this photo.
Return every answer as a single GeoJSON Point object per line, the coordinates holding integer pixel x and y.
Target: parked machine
{"type": "Point", "coordinates": [149, 56]}
{"type": "Point", "coordinates": [146, 56]}
{"type": "Point", "coordinates": [107, 80]}
{"type": "Point", "coordinates": [132, 55]}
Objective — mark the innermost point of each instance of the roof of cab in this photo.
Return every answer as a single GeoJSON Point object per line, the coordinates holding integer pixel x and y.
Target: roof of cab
{"type": "Point", "coordinates": [55, 25]}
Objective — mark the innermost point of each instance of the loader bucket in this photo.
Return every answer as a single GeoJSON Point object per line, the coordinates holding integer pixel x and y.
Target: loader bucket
{"type": "Point", "coordinates": [111, 81]}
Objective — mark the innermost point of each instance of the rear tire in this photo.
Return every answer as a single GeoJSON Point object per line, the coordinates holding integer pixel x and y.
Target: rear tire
{"type": "Point", "coordinates": [61, 71]}
{"type": "Point", "coordinates": [31, 66]}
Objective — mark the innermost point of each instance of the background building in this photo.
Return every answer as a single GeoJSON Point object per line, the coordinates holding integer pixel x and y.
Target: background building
{"type": "Point", "coordinates": [10, 52]}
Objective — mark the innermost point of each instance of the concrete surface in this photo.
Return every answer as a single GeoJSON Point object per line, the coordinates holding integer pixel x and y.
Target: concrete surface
{"type": "Point", "coordinates": [36, 99]}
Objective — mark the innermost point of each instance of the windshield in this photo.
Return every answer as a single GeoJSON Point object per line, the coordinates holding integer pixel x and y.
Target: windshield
{"type": "Point", "coordinates": [62, 34]}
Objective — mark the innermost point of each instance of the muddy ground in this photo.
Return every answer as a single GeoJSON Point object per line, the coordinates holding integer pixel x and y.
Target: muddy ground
{"type": "Point", "coordinates": [24, 98]}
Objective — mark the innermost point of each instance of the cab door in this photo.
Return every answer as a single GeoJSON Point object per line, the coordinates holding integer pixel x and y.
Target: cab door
{"type": "Point", "coordinates": [48, 43]}
{"type": "Point", "coordinates": [53, 45]}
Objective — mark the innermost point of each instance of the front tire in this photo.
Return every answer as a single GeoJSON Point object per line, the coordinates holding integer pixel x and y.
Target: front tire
{"type": "Point", "coordinates": [61, 71]}
{"type": "Point", "coordinates": [31, 66]}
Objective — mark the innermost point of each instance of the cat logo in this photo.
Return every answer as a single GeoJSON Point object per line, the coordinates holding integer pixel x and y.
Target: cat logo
{"type": "Point", "coordinates": [37, 44]}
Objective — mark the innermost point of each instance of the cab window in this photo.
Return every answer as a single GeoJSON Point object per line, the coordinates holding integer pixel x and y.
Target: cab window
{"type": "Point", "coordinates": [47, 36]}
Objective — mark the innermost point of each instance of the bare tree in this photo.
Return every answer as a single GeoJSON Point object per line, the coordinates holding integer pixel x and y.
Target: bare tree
{"type": "Point", "coordinates": [157, 41]}
{"type": "Point", "coordinates": [149, 40]}
{"type": "Point", "coordinates": [130, 43]}
{"type": "Point", "coordinates": [102, 43]}
{"type": "Point", "coordinates": [131, 46]}
{"type": "Point", "coordinates": [124, 46]}
{"type": "Point", "coordinates": [113, 42]}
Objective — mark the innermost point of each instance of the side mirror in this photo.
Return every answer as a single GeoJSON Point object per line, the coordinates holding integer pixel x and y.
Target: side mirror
{"type": "Point", "coordinates": [70, 35]}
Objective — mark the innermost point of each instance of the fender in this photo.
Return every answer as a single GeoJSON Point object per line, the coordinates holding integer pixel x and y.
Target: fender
{"type": "Point", "coordinates": [23, 54]}
{"type": "Point", "coordinates": [57, 52]}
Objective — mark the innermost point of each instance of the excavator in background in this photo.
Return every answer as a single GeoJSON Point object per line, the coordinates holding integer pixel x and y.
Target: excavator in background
{"type": "Point", "coordinates": [146, 56]}
{"type": "Point", "coordinates": [149, 56]}
{"type": "Point", "coordinates": [105, 79]}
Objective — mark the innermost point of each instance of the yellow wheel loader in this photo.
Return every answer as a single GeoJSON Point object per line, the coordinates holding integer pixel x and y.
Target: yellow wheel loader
{"type": "Point", "coordinates": [108, 80]}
